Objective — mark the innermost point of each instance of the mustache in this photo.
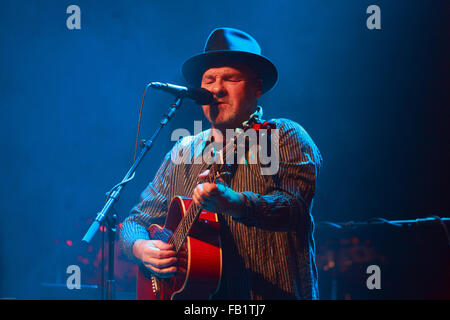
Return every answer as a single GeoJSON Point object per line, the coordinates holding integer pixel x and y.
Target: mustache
{"type": "Point", "coordinates": [217, 102]}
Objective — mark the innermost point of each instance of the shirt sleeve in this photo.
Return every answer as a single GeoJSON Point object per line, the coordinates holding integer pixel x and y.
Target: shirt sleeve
{"type": "Point", "coordinates": [151, 209]}
{"type": "Point", "coordinates": [287, 202]}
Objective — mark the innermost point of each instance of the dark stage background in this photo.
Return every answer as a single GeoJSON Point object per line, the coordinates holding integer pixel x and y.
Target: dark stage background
{"type": "Point", "coordinates": [376, 102]}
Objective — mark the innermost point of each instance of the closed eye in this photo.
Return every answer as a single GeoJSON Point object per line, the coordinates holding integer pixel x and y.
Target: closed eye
{"type": "Point", "coordinates": [208, 81]}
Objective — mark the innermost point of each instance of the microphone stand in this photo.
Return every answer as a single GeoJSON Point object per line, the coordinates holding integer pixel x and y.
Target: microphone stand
{"type": "Point", "coordinates": [108, 216]}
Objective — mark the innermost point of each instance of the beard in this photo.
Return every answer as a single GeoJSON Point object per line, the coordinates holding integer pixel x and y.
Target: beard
{"type": "Point", "coordinates": [221, 115]}
{"type": "Point", "coordinates": [224, 116]}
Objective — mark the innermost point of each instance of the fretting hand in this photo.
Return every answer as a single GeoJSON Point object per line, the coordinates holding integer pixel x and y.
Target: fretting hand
{"type": "Point", "coordinates": [218, 198]}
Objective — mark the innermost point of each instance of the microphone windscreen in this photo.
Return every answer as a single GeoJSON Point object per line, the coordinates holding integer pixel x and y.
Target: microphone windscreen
{"type": "Point", "coordinates": [201, 96]}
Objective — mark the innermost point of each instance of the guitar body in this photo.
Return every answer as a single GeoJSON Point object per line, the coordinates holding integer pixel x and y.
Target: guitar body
{"type": "Point", "coordinates": [199, 266]}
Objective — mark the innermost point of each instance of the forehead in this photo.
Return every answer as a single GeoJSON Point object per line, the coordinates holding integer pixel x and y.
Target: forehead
{"type": "Point", "coordinates": [228, 70]}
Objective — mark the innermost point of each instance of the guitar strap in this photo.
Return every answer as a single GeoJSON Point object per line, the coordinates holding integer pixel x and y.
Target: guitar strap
{"type": "Point", "coordinates": [255, 117]}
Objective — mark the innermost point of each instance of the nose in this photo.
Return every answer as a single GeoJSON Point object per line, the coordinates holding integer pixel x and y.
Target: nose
{"type": "Point", "coordinates": [218, 89]}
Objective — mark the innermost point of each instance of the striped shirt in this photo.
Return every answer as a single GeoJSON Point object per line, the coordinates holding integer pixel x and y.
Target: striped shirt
{"type": "Point", "coordinates": [269, 253]}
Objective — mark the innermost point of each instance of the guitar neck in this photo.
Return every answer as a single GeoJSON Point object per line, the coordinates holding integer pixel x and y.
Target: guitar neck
{"type": "Point", "coordinates": [185, 225]}
{"type": "Point", "coordinates": [192, 214]}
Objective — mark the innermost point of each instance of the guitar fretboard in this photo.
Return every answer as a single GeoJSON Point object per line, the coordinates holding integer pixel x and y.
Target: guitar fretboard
{"type": "Point", "coordinates": [185, 225]}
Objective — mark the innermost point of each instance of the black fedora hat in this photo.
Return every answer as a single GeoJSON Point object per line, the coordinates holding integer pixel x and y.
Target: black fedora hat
{"type": "Point", "coordinates": [228, 46]}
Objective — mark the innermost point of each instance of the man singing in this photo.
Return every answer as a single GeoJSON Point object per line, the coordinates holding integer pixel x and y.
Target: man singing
{"type": "Point", "coordinates": [266, 225]}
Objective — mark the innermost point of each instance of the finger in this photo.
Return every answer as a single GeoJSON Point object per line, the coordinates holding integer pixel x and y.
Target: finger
{"type": "Point", "coordinates": [204, 174]}
{"type": "Point", "coordinates": [158, 254]}
{"type": "Point", "coordinates": [210, 189]}
{"type": "Point", "coordinates": [162, 245]}
{"type": "Point", "coordinates": [163, 273]}
{"type": "Point", "coordinates": [197, 203]}
{"type": "Point", "coordinates": [198, 196]}
{"type": "Point", "coordinates": [195, 195]}
{"type": "Point", "coordinates": [154, 252]}
{"type": "Point", "coordinates": [205, 190]}
{"type": "Point", "coordinates": [161, 263]}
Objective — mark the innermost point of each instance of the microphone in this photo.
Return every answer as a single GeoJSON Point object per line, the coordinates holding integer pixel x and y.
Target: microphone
{"type": "Point", "coordinates": [199, 95]}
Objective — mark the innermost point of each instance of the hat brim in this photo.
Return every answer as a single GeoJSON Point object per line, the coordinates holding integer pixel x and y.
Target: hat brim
{"type": "Point", "coordinates": [195, 66]}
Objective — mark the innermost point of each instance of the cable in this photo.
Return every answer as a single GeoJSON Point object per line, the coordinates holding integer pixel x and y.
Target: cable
{"type": "Point", "coordinates": [395, 223]}
{"type": "Point", "coordinates": [118, 185]}
{"type": "Point", "coordinates": [383, 220]}
{"type": "Point", "coordinates": [379, 220]}
{"type": "Point", "coordinates": [136, 144]}
{"type": "Point", "coordinates": [336, 225]}
{"type": "Point", "coordinates": [443, 227]}
{"type": "Point", "coordinates": [139, 121]}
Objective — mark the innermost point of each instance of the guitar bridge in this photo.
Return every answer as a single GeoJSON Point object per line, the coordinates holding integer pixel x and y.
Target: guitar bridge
{"type": "Point", "coordinates": [155, 286]}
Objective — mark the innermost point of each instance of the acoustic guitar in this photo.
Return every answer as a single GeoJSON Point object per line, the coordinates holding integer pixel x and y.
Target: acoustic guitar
{"type": "Point", "coordinates": [194, 233]}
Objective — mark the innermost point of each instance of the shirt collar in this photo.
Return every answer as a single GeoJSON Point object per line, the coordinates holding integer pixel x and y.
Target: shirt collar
{"type": "Point", "coordinates": [257, 115]}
